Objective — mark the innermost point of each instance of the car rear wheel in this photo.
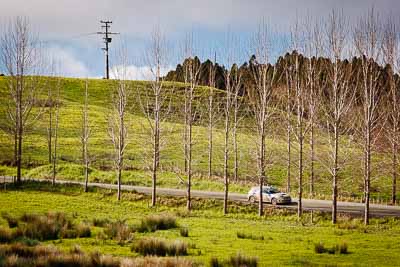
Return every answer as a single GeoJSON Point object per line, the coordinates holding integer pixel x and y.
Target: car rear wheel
{"type": "Point", "coordinates": [274, 201]}
{"type": "Point", "coordinates": [252, 199]}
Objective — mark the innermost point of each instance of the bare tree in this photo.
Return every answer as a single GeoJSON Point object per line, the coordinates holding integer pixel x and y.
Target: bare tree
{"type": "Point", "coordinates": [154, 101]}
{"type": "Point", "coordinates": [57, 104]}
{"type": "Point", "coordinates": [191, 72]}
{"type": "Point", "coordinates": [367, 36]}
{"type": "Point", "coordinates": [338, 97]}
{"type": "Point", "coordinates": [211, 113]}
{"type": "Point", "coordinates": [118, 128]}
{"type": "Point", "coordinates": [261, 98]}
{"type": "Point", "coordinates": [289, 112]}
{"type": "Point", "coordinates": [50, 104]}
{"type": "Point", "coordinates": [297, 80]}
{"type": "Point", "coordinates": [237, 116]}
{"type": "Point", "coordinates": [22, 61]}
{"type": "Point", "coordinates": [232, 77]}
{"type": "Point", "coordinates": [313, 50]}
{"type": "Point", "coordinates": [85, 135]}
{"type": "Point", "coordinates": [390, 55]}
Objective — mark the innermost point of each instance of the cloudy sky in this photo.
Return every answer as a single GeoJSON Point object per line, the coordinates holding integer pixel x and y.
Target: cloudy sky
{"type": "Point", "coordinates": [67, 27]}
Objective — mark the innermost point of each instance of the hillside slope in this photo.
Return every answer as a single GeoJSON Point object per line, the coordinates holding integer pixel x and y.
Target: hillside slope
{"type": "Point", "coordinates": [35, 159]}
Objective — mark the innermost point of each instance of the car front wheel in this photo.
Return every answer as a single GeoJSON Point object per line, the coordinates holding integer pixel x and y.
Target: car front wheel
{"type": "Point", "coordinates": [252, 199]}
{"type": "Point", "coordinates": [274, 201]}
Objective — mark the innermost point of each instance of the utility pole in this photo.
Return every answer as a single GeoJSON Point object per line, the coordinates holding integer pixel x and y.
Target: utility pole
{"type": "Point", "coordinates": [106, 26]}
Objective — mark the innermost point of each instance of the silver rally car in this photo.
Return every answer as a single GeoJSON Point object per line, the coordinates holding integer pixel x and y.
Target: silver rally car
{"type": "Point", "coordinates": [269, 194]}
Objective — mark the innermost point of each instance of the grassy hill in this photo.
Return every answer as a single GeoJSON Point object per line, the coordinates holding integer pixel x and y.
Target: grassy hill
{"type": "Point", "coordinates": [35, 157]}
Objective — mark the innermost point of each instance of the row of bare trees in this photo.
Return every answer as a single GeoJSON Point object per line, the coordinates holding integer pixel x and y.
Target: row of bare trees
{"type": "Point", "coordinates": [318, 97]}
{"type": "Point", "coordinates": [340, 104]}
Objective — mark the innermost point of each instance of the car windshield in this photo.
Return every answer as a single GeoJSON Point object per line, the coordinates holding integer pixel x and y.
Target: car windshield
{"type": "Point", "coordinates": [271, 191]}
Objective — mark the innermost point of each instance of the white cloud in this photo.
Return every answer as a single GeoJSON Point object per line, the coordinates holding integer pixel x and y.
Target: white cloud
{"type": "Point", "coordinates": [65, 63]}
{"type": "Point", "coordinates": [133, 72]}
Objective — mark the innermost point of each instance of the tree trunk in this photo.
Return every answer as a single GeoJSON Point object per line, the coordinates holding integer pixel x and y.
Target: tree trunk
{"type": "Point", "coordinates": [235, 144]}
{"type": "Point", "coordinates": [335, 175]}
{"type": "Point", "coordinates": [300, 192]}
{"type": "Point", "coordinates": [210, 138]}
{"type": "Point", "coordinates": [262, 172]}
{"type": "Point", "coordinates": [367, 173]}
{"type": "Point", "coordinates": [156, 154]}
{"type": "Point", "coordinates": [394, 172]}
{"type": "Point", "coordinates": [189, 152]}
{"type": "Point", "coordinates": [312, 157]}
{"type": "Point", "coordinates": [119, 174]}
{"type": "Point", "coordinates": [289, 159]}
{"type": "Point", "coordinates": [20, 133]}
{"type": "Point", "coordinates": [55, 145]}
{"type": "Point", "coordinates": [226, 157]}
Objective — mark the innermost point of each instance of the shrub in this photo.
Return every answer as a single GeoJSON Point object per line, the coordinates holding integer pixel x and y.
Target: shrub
{"type": "Point", "coordinates": [319, 248]}
{"type": "Point", "coordinates": [240, 260]}
{"type": "Point", "coordinates": [158, 247]}
{"type": "Point", "coordinates": [153, 223]}
{"type": "Point", "coordinates": [5, 235]}
{"type": "Point", "coordinates": [184, 232]}
{"type": "Point", "coordinates": [12, 221]}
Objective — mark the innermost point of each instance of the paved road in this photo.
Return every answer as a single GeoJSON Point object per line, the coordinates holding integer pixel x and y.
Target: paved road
{"type": "Point", "coordinates": [308, 204]}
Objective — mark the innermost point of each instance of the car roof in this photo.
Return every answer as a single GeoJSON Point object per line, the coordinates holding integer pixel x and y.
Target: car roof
{"type": "Point", "coordinates": [264, 187]}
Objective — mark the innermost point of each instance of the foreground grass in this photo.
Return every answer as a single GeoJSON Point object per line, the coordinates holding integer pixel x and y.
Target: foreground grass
{"type": "Point", "coordinates": [210, 234]}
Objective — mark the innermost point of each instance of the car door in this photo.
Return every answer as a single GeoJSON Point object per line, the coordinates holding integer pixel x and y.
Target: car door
{"type": "Point", "coordinates": [266, 196]}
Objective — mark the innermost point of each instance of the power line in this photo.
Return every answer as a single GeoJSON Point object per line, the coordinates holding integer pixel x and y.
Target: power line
{"type": "Point", "coordinates": [106, 25]}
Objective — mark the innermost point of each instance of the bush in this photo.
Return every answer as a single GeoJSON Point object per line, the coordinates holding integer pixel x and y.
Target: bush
{"type": "Point", "coordinates": [153, 223]}
{"type": "Point", "coordinates": [240, 260]}
{"type": "Point", "coordinates": [184, 232]}
{"type": "Point", "coordinates": [12, 221]}
{"type": "Point", "coordinates": [158, 247]}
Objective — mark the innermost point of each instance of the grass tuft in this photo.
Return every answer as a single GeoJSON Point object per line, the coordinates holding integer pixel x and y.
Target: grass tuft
{"type": "Point", "coordinates": [240, 260]}
{"type": "Point", "coordinates": [243, 235]}
{"type": "Point", "coordinates": [184, 232]}
{"type": "Point", "coordinates": [159, 247]}
{"type": "Point", "coordinates": [119, 231]}
{"type": "Point", "coordinates": [153, 223]}
{"type": "Point", "coordinates": [11, 220]}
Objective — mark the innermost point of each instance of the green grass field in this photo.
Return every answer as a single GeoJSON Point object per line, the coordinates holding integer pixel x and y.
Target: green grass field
{"type": "Point", "coordinates": [137, 163]}
{"type": "Point", "coordinates": [286, 242]}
